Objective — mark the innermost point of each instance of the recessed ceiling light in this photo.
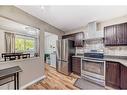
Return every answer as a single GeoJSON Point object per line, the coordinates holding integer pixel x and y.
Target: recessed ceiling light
{"type": "Point", "coordinates": [42, 7]}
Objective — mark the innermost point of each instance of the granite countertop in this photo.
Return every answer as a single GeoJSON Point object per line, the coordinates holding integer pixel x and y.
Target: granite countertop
{"type": "Point", "coordinates": [120, 59]}
{"type": "Point", "coordinates": [79, 56]}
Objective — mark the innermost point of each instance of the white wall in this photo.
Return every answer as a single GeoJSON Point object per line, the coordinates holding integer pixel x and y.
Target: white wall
{"type": "Point", "coordinates": [2, 42]}
{"type": "Point", "coordinates": [33, 68]}
{"type": "Point", "coordinates": [50, 40]}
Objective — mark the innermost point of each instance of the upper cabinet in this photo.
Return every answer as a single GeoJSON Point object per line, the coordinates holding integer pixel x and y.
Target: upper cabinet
{"type": "Point", "coordinates": [121, 31]}
{"type": "Point", "coordinates": [110, 35]}
{"type": "Point", "coordinates": [79, 39]}
{"type": "Point", "coordinates": [115, 35]}
{"type": "Point", "coordinates": [70, 36]}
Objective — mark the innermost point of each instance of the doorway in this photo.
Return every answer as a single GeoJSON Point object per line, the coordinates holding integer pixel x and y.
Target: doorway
{"type": "Point", "coordinates": [50, 49]}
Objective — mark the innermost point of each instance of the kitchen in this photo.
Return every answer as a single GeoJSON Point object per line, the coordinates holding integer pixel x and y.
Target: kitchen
{"type": "Point", "coordinates": [100, 56]}
{"type": "Point", "coordinates": [90, 52]}
{"type": "Point", "coordinates": [92, 55]}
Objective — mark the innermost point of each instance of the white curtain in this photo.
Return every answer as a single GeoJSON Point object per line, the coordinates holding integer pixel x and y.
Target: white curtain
{"type": "Point", "coordinates": [9, 42]}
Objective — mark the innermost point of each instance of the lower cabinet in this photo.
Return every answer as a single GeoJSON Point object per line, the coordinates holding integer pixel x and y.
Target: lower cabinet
{"type": "Point", "coordinates": [76, 65]}
{"type": "Point", "coordinates": [123, 80]}
{"type": "Point", "coordinates": [112, 74]}
{"type": "Point", "coordinates": [116, 75]}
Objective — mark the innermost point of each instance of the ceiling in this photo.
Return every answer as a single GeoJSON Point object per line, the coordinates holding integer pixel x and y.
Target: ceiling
{"type": "Point", "coordinates": [17, 28]}
{"type": "Point", "coordinates": [68, 18]}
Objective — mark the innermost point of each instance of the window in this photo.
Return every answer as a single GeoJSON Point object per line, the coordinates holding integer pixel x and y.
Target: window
{"type": "Point", "coordinates": [25, 44]}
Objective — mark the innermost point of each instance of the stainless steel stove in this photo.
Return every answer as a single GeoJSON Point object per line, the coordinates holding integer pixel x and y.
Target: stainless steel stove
{"type": "Point", "coordinates": [93, 68]}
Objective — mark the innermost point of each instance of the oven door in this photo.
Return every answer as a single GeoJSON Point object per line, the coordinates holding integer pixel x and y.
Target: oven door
{"type": "Point", "coordinates": [93, 68]}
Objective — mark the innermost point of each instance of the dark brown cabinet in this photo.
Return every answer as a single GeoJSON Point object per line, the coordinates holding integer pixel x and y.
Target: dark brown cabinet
{"type": "Point", "coordinates": [110, 35]}
{"type": "Point", "coordinates": [70, 36]}
{"type": "Point", "coordinates": [115, 35]}
{"type": "Point", "coordinates": [121, 31]}
{"type": "Point", "coordinates": [76, 65]}
{"type": "Point", "coordinates": [112, 74]}
{"type": "Point", "coordinates": [123, 77]}
{"type": "Point", "coordinates": [116, 75]}
{"type": "Point", "coordinates": [79, 39]}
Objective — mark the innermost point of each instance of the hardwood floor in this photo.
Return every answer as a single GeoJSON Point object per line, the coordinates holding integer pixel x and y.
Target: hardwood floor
{"type": "Point", "coordinates": [55, 81]}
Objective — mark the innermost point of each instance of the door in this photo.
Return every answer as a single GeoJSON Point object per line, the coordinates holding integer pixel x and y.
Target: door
{"type": "Point", "coordinates": [58, 66]}
{"type": "Point", "coordinates": [93, 66]}
{"type": "Point", "coordinates": [58, 49]}
{"type": "Point", "coordinates": [110, 35]}
{"type": "Point", "coordinates": [79, 39]}
{"type": "Point", "coordinates": [70, 37]}
{"type": "Point", "coordinates": [58, 55]}
{"type": "Point", "coordinates": [64, 50]}
{"type": "Point", "coordinates": [76, 65]}
{"type": "Point", "coordinates": [121, 34]}
{"type": "Point", "coordinates": [113, 74]}
{"type": "Point", "coordinates": [65, 67]}
{"type": "Point", "coordinates": [123, 82]}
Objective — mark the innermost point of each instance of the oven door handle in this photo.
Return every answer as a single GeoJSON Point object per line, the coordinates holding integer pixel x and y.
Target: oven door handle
{"type": "Point", "coordinates": [93, 60]}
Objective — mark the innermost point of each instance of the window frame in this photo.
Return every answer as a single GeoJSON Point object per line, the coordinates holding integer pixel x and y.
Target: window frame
{"type": "Point", "coordinates": [26, 37]}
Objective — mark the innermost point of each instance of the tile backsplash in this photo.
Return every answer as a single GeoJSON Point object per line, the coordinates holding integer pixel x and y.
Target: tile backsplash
{"type": "Point", "coordinates": [109, 50]}
{"type": "Point", "coordinates": [91, 45]}
{"type": "Point", "coordinates": [94, 45]}
{"type": "Point", "coordinates": [116, 50]}
{"type": "Point", "coordinates": [79, 50]}
{"type": "Point", "coordinates": [99, 46]}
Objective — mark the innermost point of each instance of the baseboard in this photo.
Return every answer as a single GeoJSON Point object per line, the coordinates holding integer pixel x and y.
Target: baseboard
{"type": "Point", "coordinates": [109, 88]}
{"type": "Point", "coordinates": [30, 83]}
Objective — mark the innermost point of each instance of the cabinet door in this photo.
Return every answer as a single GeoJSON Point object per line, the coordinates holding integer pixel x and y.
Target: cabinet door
{"type": "Point", "coordinates": [76, 65]}
{"type": "Point", "coordinates": [112, 74]}
{"type": "Point", "coordinates": [110, 35]}
{"type": "Point", "coordinates": [70, 36]}
{"type": "Point", "coordinates": [121, 34]}
{"type": "Point", "coordinates": [123, 82]}
{"type": "Point", "coordinates": [79, 39]}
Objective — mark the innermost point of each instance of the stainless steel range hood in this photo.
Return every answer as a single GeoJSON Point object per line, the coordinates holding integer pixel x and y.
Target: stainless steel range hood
{"type": "Point", "coordinates": [92, 27]}
{"type": "Point", "coordinates": [92, 32]}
